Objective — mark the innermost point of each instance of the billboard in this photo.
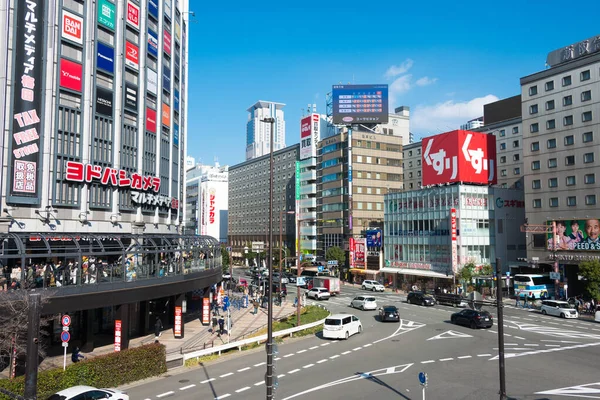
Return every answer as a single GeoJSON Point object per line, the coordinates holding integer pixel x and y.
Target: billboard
{"type": "Point", "coordinates": [153, 8]}
{"type": "Point", "coordinates": [132, 55]}
{"type": "Point", "coordinates": [167, 42]}
{"type": "Point", "coordinates": [166, 78]}
{"type": "Point", "coordinates": [360, 252]}
{"type": "Point", "coordinates": [374, 238]}
{"type": "Point", "coordinates": [133, 15]}
{"type": "Point", "coordinates": [106, 14]}
{"type": "Point", "coordinates": [72, 27]}
{"type": "Point", "coordinates": [176, 134]}
{"type": "Point", "coordinates": [166, 115]}
{"type": "Point", "coordinates": [150, 120]}
{"type": "Point", "coordinates": [152, 81]}
{"type": "Point", "coordinates": [454, 236]}
{"type": "Point", "coordinates": [26, 134]}
{"type": "Point", "coordinates": [105, 59]}
{"type": "Point", "coordinates": [575, 235]}
{"type": "Point", "coordinates": [309, 136]}
{"type": "Point", "coordinates": [459, 156]}
{"type": "Point", "coordinates": [152, 43]}
{"type": "Point", "coordinates": [104, 101]}
{"type": "Point", "coordinates": [131, 97]}
{"type": "Point", "coordinates": [360, 104]}
{"type": "Point", "coordinates": [70, 75]}
{"type": "Point", "coordinates": [176, 100]}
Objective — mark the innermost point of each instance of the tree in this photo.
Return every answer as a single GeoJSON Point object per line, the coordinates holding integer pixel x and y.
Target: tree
{"type": "Point", "coordinates": [486, 270]}
{"type": "Point", "coordinates": [466, 272]}
{"type": "Point", "coordinates": [225, 259]}
{"type": "Point", "coordinates": [335, 253]}
{"type": "Point", "coordinates": [590, 271]}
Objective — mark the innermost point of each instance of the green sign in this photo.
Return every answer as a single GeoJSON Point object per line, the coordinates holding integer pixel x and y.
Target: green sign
{"type": "Point", "coordinates": [297, 180]}
{"type": "Point", "coordinates": [106, 14]}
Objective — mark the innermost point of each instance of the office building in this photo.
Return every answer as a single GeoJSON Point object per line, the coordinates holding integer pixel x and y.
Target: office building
{"type": "Point", "coordinates": [411, 166]}
{"type": "Point", "coordinates": [473, 124]}
{"type": "Point", "coordinates": [258, 133]}
{"type": "Point", "coordinates": [398, 125]}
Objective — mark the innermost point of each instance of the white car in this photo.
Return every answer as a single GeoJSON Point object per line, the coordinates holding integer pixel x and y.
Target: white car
{"type": "Point", "coordinates": [373, 286]}
{"type": "Point", "coordinates": [558, 308]}
{"type": "Point", "coordinates": [341, 326]}
{"type": "Point", "coordinates": [364, 303]}
{"type": "Point", "coordinates": [226, 276]}
{"type": "Point", "coordinates": [318, 293]}
{"type": "Point", "coordinates": [89, 393]}
{"type": "Point", "coordinates": [277, 278]}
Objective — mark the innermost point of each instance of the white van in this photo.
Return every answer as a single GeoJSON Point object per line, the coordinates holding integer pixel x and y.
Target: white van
{"type": "Point", "coordinates": [558, 308]}
{"type": "Point", "coordinates": [341, 326]}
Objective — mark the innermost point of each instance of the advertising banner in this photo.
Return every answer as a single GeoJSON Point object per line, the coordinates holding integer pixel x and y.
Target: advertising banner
{"type": "Point", "coordinates": [351, 250]}
{"type": "Point", "coordinates": [150, 120]}
{"type": "Point", "coordinates": [166, 115]}
{"type": "Point", "coordinates": [24, 155]}
{"type": "Point", "coordinates": [118, 326]}
{"type": "Point", "coordinates": [575, 235]}
{"type": "Point", "coordinates": [176, 100]}
{"type": "Point", "coordinates": [132, 55]}
{"type": "Point", "coordinates": [131, 97]}
{"type": "Point", "coordinates": [133, 15]}
{"type": "Point", "coordinates": [152, 43]}
{"type": "Point", "coordinates": [374, 238]}
{"type": "Point", "coordinates": [72, 27]}
{"type": "Point", "coordinates": [152, 81]}
{"type": "Point", "coordinates": [306, 142]}
{"type": "Point", "coordinates": [355, 104]}
{"type": "Point", "coordinates": [177, 30]}
{"type": "Point", "coordinates": [360, 252]}
{"type": "Point", "coordinates": [453, 235]}
{"type": "Point", "coordinates": [178, 322]}
{"type": "Point", "coordinates": [105, 59]}
{"type": "Point", "coordinates": [167, 8]}
{"type": "Point", "coordinates": [70, 75]}
{"type": "Point", "coordinates": [166, 78]}
{"type": "Point", "coordinates": [176, 134]}
{"type": "Point", "coordinates": [459, 156]}
{"type": "Point", "coordinates": [104, 101]}
{"type": "Point", "coordinates": [153, 8]}
{"type": "Point", "coordinates": [205, 311]}
{"type": "Point", "coordinates": [106, 14]}
{"type": "Point", "coordinates": [167, 42]}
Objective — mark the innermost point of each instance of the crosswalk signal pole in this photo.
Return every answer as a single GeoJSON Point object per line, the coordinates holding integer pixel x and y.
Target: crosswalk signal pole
{"type": "Point", "coordinates": [500, 338]}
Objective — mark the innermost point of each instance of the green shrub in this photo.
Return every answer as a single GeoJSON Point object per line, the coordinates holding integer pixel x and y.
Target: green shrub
{"type": "Point", "coordinates": [108, 370]}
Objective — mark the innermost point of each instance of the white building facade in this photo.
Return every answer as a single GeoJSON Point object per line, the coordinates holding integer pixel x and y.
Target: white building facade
{"type": "Point", "coordinates": [258, 132]}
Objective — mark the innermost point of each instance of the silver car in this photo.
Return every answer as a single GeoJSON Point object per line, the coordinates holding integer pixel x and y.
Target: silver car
{"type": "Point", "coordinates": [318, 293]}
{"type": "Point", "coordinates": [364, 303]}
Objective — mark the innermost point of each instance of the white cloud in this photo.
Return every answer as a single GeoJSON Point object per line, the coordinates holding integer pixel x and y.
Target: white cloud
{"type": "Point", "coordinates": [401, 85]}
{"type": "Point", "coordinates": [427, 120]}
{"type": "Point", "coordinates": [424, 81]}
{"type": "Point", "coordinates": [396, 70]}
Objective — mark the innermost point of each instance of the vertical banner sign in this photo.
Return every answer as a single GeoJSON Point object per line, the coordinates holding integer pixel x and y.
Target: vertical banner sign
{"type": "Point", "coordinates": [117, 335]}
{"type": "Point", "coordinates": [178, 322]}
{"type": "Point", "coordinates": [24, 156]}
{"type": "Point", "coordinates": [106, 14]}
{"type": "Point", "coordinates": [133, 15]}
{"type": "Point", "coordinates": [350, 180]}
{"type": "Point", "coordinates": [205, 311]}
{"type": "Point", "coordinates": [453, 231]}
{"type": "Point", "coordinates": [351, 246]}
{"type": "Point", "coordinates": [176, 134]}
{"type": "Point", "coordinates": [297, 206]}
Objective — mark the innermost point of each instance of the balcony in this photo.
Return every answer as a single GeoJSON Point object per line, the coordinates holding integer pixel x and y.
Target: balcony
{"type": "Point", "coordinates": [308, 203]}
{"type": "Point", "coordinates": [308, 230]}
{"type": "Point", "coordinates": [309, 244]}
{"type": "Point", "coordinates": [310, 175]}
{"type": "Point", "coordinates": [308, 215]}
{"type": "Point", "coordinates": [308, 189]}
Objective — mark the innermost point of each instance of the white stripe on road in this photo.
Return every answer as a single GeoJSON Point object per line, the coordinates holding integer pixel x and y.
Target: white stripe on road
{"type": "Point", "coordinates": [463, 357]}
{"type": "Point", "coordinates": [321, 361]}
{"type": "Point", "coordinates": [367, 345]}
{"type": "Point", "coordinates": [484, 355]}
{"type": "Point", "coordinates": [552, 345]}
{"type": "Point", "coordinates": [208, 380]}
{"type": "Point", "coordinates": [259, 364]}
{"type": "Point", "coordinates": [519, 337]}
{"type": "Point", "coordinates": [224, 396]}
{"type": "Point", "coordinates": [242, 389]}
{"type": "Point", "coordinates": [309, 365]}
{"type": "Point", "coordinates": [447, 359]}
{"type": "Point", "coordinates": [356, 348]}
{"type": "Point", "coordinates": [427, 362]}
{"type": "Point", "coordinates": [325, 344]}
{"type": "Point", "coordinates": [259, 383]}
{"type": "Point", "coordinates": [288, 355]}
{"type": "Point", "coordinates": [346, 352]}
{"type": "Point", "coordinates": [530, 344]}
{"type": "Point", "coordinates": [280, 375]}
{"type": "Point", "coordinates": [243, 369]}
{"type": "Point", "coordinates": [312, 348]}
{"type": "Point", "coordinates": [301, 351]}
{"type": "Point", "coordinates": [187, 387]}
{"type": "Point", "coordinates": [165, 394]}
{"type": "Point", "coordinates": [226, 375]}
{"type": "Point", "coordinates": [294, 371]}
{"type": "Point", "coordinates": [491, 331]}
{"type": "Point", "coordinates": [336, 356]}
{"type": "Point", "coordinates": [277, 358]}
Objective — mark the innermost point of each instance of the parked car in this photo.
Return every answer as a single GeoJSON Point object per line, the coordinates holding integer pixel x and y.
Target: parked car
{"type": "Point", "coordinates": [341, 326]}
{"type": "Point", "coordinates": [89, 393]}
{"type": "Point", "coordinates": [473, 319]}
{"type": "Point", "coordinates": [420, 298]}
{"type": "Point", "coordinates": [373, 286]}
{"type": "Point", "coordinates": [364, 303]}
{"type": "Point", "coordinates": [277, 278]}
{"type": "Point", "coordinates": [451, 299]}
{"type": "Point", "coordinates": [389, 313]}
{"type": "Point", "coordinates": [558, 308]}
{"type": "Point", "coordinates": [318, 293]}
{"type": "Point", "coordinates": [226, 276]}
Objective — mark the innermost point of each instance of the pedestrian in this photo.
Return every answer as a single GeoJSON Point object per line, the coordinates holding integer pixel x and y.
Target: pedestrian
{"type": "Point", "coordinates": [221, 325]}
{"type": "Point", "coordinates": [255, 305]}
{"type": "Point", "coordinates": [76, 355]}
{"type": "Point", "coordinates": [6, 270]}
{"type": "Point", "coordinates": [518, 300]}
{"type": "Point", "coordinates": [157, 328]}
{"type": "Point", "coordinates": [214, 324]}
{"type": "Point", "coordinates": [216, 307]}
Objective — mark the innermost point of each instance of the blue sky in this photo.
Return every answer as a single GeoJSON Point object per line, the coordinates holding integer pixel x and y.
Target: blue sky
{"type": "Point", "coordinates": [442, 59]}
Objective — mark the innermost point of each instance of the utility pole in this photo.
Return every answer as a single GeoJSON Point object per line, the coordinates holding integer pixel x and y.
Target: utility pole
{"type": "Point", "coordinates": [33, 330]}
{"type": "Point", "coordinates": [500, 337]}
{"type": "Point", "coordinates": [298, 307]}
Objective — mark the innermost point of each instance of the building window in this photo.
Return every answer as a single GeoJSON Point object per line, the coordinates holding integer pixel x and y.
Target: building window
{"type": "Point", "coordinates": [535, 146]}
{"type": "Point", "coordinates": [550, 105]}
{"type": "Point", "coordinates": [515, 144]}
{"type": "Point", "coordinates": [589, 179]}
{"type": "Point", "coordinates": [370, 160]}
{"type": "Point", "coordinates": [502, 146]}
{"type": "Point", "coordinates": [588, 158]}
{"type": "Point", "coordinates": [515, 130]}
{"type": "Point", "coordinates": [567, 100]}
{"type": "Point", "coordinates": [553, 182]}
{"type": "Point", "coordinates": [552, 163]}
{"type": "Point", "coordinates": [549, 86]}
{"type": "Point", "coordinates": [537, 203]}
{"type": "Point", "coordinates": [502, 159]}
{"type": "Point", "coordinates": [551, 143]}
{"type": "Point", "coordinates": [410, 174]}
{"type": "Point", "coordinates": [359, 159]}
{"type": "Point", "coordinates": [584, 76]}
{"type": "Point", "coordinates": [553, 202]}
{"type": "Point", "coordinates": [368, 175]}
{"type": "Point", "coordinates": [586, 116]}
{"type": "Point", "coordinates": [516, 157]}
{"type": "Point", "coordinates": [517, 171]}
{"type": "Point", "coordinates": [590, 200]}
{"type": "Point", "coordinates": [571, 180]}
{"type": "Point", "coordinates": [536, 184]}
{"type": "Point", "coordinates": [570, 160]}
{"type": "Point", "coordinates": [571, 201]}
{"type": "Point", "coordinates": [586, 96]}
{"type": "Point", "coordinates": [503, 172]}
{"type": "Point", "coordinates": [551, 124]}
{"type": "Point", "coordinates": [359, 190]}
{"type": "Point", "coordinates": [502, 132]}
{"type": "Point", "coordinates": [535, 165]}
{"type": "Point", "coordinates": [532, 90]}
{"type": "Point", "coordinates": [569, 140]}
{"type": "Point", "coordinates": [566, 80]}
{"type": "Point", "coordinates": [410, 153]}
{"type": "Point", "coordinates": [533, 109]}
{"type": "Point", "coordinates": [588, 137]}
{"type": "Point", "coordinates": [359, 205]}
{"type": "Point", "coordinates": [568, 120]}
{"type": "Point", "coordinates": [533, 128]}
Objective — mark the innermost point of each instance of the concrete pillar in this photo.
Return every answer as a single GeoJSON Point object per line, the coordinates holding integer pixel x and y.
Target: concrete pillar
{"type": "Point", "coordinates": [144, 318]}
{"type": "Point", "coordinates": [87, 334]}
{"type": "Point", "coordinates": [123, 316]}
{"type": "Point", "coordinates": [179, 303]}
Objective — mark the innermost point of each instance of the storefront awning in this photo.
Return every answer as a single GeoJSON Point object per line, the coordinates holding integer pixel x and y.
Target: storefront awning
{"type": "Point", "coordinates": [418, 272]}
{"type": "Point", "coordinates": [363, 271]}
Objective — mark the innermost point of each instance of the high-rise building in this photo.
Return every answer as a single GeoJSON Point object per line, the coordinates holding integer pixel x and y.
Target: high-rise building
{"type": "Point", "coordinates": [472, 124]}
{"type": "Point", "coordinates": [411, 166]}
{"type": "Point", "coordinates": [258, 133]}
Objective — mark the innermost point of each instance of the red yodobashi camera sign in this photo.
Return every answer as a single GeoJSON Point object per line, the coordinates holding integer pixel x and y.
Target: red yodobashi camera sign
{"type": "Point", "coordinates": [459, 156]}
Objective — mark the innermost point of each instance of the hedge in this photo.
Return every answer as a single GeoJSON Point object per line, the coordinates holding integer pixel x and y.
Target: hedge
{"type": "Point", "coordinates": [108, 370]}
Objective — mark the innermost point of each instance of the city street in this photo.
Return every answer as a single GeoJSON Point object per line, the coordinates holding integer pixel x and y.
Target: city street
{"type": "Point", "coordinates": [543, 354]}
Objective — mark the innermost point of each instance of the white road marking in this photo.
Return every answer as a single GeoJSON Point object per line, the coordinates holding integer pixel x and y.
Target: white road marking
{"type": "Point", "coordinates": [507, 334]}
{"type": "Point", "coordinates": [301, 351]}
{"type": "Point", "coordinates": [463, 357]}
{"type": "Point", "coordinates": [519, 337]}
{"type": "Point", "coordinates": [259, 383]}
{"type": "Point", "coordinates": [226, 375]}
{"type": "Point", "coordinates": [450, 335]}
{"type": "Point", "coordinates": [243, 369]}
{"type": "Point", "coordinates": [491, 331]}
{"type": "Point", "coordinates": [447, 359]}
{"type": "Point", "coordinates": [277, 358]}
{"type": "Point", "coordinates": [165, 394]}
{"type": "Point", "coordinates": [224, 396]}
{"type": "Point", "coordinates": [321, 361]}
{"type": "Point", "coordinates": [187, 387]}
{"type": "Point", "coordinates": [242, 389]}
{"type": "Point", "coordinates": [309, 365]}
{"type": "Point", "coordinates": [259, 364]}
{"type": "Point", "coordinates": [336, 356]}
{"type": "Point", "coordinates": [208, 380]}
{"type": "Point", "coordinates": [367, 345]}
{"type": "Point", "coordinates": [312, 348]}
{"type": "Point", "coordinates": [294, 371]}
{"type": "Point", "coordinates": [427, 362]}
{"type": "Point", "coordinates": [335, 341]}
{"type": "Point", "coordinates": [483, 355]}
{"type": "Point", "coordinates": [590, 390]}
{"type": "Point", "coordinates": [547, 350]}
{"type": "Point", "coordinates": [288, 355]}
{"type": "Point", "coordinates": [346, 352]}
{"type": "Point", "coordinates": [356, 348]}
{"type": "Point", "coordinates": [552, 345]}
{"type": "Point", "coordinates": [530, 344]}
{"type": "Point", "coordinates": [325, 344]}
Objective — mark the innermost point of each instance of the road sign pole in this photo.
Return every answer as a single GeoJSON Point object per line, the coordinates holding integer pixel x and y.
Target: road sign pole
{"type": "Point", "coordinates": [65, 359]}
{"type": "Point", "coordinates": [423, 392]}
{"type": "Point", "coordinates": [500, 338]}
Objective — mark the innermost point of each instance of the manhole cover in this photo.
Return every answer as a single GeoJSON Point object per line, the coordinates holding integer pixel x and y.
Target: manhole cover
{"type": "Point", "coordinates": [184, 381]}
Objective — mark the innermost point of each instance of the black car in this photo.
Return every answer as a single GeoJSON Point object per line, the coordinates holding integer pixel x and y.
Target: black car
{"type": "Point", "coordinates": [473, 319]}
{"type": "Point", "coordinates": [450, 299]}
{"type": "Point", "coordinates": [420, 298]}
{"type": "Point", "coordinates": [389, 313]}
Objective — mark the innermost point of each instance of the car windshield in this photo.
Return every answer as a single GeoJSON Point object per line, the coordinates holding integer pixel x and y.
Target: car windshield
{"type": "Point", "coordinates": [330, 321]}
{"type": "Point", "coordinates": [370, 299]}
{"type": "Point", "coordinates": [390, 309]}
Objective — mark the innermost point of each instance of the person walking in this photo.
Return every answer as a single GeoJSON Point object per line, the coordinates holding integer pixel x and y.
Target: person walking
{"type": "Point", "coordinates": [214, 324]}
{"type": "Point", "coordinates": [221, 326]}
{"type": "Point", "coordinates": [255, 305]}
{"type": "Point", "coordinates": [158, 326]}
{"type": "Point", "coordinates": [518, 300]}
{"type": "Point", "coordinates": [76, 355]}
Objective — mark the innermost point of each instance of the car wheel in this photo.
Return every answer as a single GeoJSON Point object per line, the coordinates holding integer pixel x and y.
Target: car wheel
{"type": "Point", "coordinates": [364, 287]}
{"type": "Point", "coordinates": [372, 289]}
{"type": "Point", "coordinates": [544, 312]}
{"type": "Point", "coordinates": [362, 307]}
{"type": "Point", "coordinates": [422, 303]}
{"type": "Point", "coordinates": [473, 325]}
{"type": "Point", "coordinates": [347, 335]}
{"type": "Point", "coordinates": [562, 315]}
{"type": "Point", "coordinates": [453, 320]}
{"type": "Point", "coordinates": [359, 329]}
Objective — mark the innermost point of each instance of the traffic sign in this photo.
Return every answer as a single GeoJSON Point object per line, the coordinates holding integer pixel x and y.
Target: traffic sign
{"type": "Point", "coordinates": [65, 344]}
{"type": "Point", "coordinates": [66, 320]}
{"type": "Point", "coordinates": [66, 328]}
{"type": "Point", "coordinates": [332, 262]}
{"type": "Point", "coordinates": [65, 336]}
{"type": "Point", "coordinates": [554, 275]}
{"type": "Point", "coordinates": [320, 268]}
{"type": "Point", "coordinates": [423, 378]}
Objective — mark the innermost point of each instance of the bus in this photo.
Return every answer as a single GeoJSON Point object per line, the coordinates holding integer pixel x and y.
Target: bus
{"type": "Point", "coordinates": [534, 286]}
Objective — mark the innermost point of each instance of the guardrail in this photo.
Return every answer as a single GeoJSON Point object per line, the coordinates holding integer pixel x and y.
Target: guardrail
{"type": "Point", "coordinates": [239, 344]}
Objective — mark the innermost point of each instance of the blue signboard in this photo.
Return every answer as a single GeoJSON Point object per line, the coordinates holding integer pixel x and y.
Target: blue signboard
{"type": "Point", "coordinates": [152, 43]}
{"type": "Point", "coordinates": [166, 78]}
{"type": "Point", "coordinates": [106, 58]}
{"type": "Point", "coordinates": [355, 104]}
{"type": "Point", "coordinates": [153, 8]}
{"type": "Point", "coordinates": [176, 99]}
{"type": "Point", "coordinates": [374, 238]}
{"type": "Point", "coordinates": [175, 134]}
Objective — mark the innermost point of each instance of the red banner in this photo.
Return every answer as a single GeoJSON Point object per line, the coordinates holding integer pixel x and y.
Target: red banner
{"type": "Point", "coordinates": [117, 335]}
{"type": "Point", "coordinates": [150, 120]}
{"type": "Point", "coordinates": [205, 311]}
{"type": "Point", "coordinates": [70, 75]}
{"type": "Point", "coordinates": [178, 321]}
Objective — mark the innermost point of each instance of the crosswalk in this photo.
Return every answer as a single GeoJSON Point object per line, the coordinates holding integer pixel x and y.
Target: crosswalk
{"type": "Point", "coordinates": [548, 330]}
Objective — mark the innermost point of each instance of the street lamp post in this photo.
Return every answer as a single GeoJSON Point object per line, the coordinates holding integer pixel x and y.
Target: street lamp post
{"type": "Point", "coordinates": [298, 305]}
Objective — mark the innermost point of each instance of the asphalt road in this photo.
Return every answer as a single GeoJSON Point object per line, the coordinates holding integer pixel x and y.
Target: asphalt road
{"type": "Point", "coordinates": [542, 354]}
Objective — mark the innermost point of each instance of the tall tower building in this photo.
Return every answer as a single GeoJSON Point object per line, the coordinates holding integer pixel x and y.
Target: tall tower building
{"type": "Point", "coordinates": [258, 133]}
